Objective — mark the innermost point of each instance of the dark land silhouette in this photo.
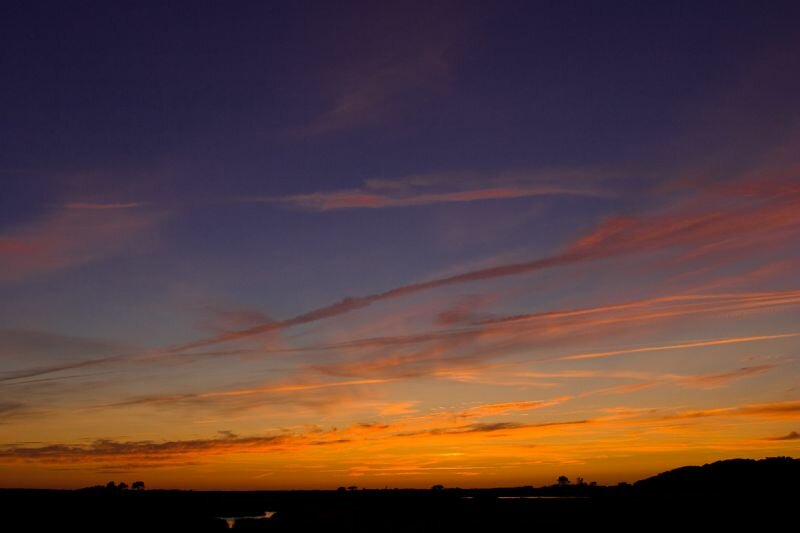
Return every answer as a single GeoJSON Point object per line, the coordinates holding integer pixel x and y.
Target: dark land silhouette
{"type": "Point", "coordinates": [757, 494]}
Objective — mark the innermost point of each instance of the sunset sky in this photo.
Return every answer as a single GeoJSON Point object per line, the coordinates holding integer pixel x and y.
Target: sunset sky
{"type": "Point", "coordinates": [267, 245]}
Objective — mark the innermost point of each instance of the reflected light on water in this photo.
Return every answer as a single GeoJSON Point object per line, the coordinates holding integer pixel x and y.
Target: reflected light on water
{"type": "Point", "coordinates": [231, 520]}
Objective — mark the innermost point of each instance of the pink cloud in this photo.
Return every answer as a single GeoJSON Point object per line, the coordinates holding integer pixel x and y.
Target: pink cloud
{"type": "Point", "coordinates": [703, 220]}
{"type": "Point", "coordinates": [364, 199]}
{"type": "Point", "coordinates": [98, 206]}
{"type": "Point", "coordinates": [68, 238]}
{"type": "Point", "coordinates": [430, 189]}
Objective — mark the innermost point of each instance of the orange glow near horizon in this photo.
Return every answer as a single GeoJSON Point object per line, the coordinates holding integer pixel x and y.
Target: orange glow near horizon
{"type": "Point", "coordinates": [386, 246]}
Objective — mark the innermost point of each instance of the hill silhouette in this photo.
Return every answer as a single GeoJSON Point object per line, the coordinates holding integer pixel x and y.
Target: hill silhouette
{"type": "Point", "coordinates": [732, 493]}
{"type": "Point", "coordinates": [733, 475]}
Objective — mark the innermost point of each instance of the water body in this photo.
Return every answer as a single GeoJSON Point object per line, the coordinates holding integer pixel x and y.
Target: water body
{"type": "Point", "coordinates": [534, 497]}
{"type": "Point", "coordinates": [543, 497]}
{"type": "Point", "coordinates": [231, 520]}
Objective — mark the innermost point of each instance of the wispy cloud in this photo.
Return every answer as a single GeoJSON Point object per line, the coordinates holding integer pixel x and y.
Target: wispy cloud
{"type": "Point", "coordinates": [110, 451]}
{"type": "Point", "coordinates": [33, 344]}
{"type": "Point", "coordinates": [429, 190]}
{"type": "Point", "coordinates": [68, 238]}
{"type": "Point", "coordinates": [681, 346]}
{"type": "Point", "coordinates": [684, 226]}
{"type": "Point", "coordinates": [52, 352]}
{"type": "Point", "coordinates": [506, 407]}
{"type": "Point", "coordinates": [711, 381]}
{"type": "Point", "coordinates": [794, 435]}
{"type": "Point", "coordinates": [481, 427]}
{"type": "Point", "coordinates": [50, 369]}
{"type": "Point", "coordinates": [276, 389]}
{"type": "Point", "coordinates": [99, 206]}
{"type": "Point", "coordinates": [443, 352]}
{"type": "Point", "coordinates": [11, 410]}
{"type": "Point", "coordinates": [366, 99]}
{"type": "Point", "coordinates": [488, 427]}
{"type": "Point", "coordinates": [767, 410]}
{"type": "Point", "coordinates": [367, 89]}
{"type": "Point", "coordinates": [643, 380]}
{"type": "Point", "coordinates": [431, 428]}
{"type": "Point", "coordinates": [438, 352]}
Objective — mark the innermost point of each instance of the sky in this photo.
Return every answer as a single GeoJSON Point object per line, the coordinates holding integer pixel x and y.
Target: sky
{"type": "Point", "coordinates": [285, 245]}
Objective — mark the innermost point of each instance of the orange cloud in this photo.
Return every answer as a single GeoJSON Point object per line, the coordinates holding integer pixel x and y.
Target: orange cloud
{"type": "Point", "coordinates": [768, 410]}
{"type": "Point", "coordinates": [273, 389]}
{"type": "Point", "coordinates": [683, 346]}
{"type": "Point", "coordinates": [148, 453]}
{"type": "Point", "coordinates": [498, 408]}
{"type": "Point", "coordinates": [644, 380]}
{"type": "Point", "coordinates": [397, 442]}
{"type": "Point", "coordinates": [723, 378]}
{"type": "Point", "coordinates": [794, 435]}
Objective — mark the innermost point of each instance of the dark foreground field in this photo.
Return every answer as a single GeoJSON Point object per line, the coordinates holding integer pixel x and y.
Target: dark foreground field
{"type": "Point", "coordinates": [756, 495]}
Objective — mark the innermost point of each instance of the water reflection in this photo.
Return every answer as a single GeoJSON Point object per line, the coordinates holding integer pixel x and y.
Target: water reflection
{"type": "Point", "coordinates": [534, 497]}
{"type": "Point", "coordinates": [231, 520]}
{"type": "Point", "coordinates": [543, 497]}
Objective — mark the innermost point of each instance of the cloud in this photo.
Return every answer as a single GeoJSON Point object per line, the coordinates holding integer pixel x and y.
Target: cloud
{"type": "Point", "coordinates": [723, 378]}
{"type": "Point", "coordinates": [10, 410]}
{"type": "Point", "coordinates": [31, 344]}
{"type": "Point", "coordinates": [682, 346]}
{"type": "Point", "coordinates": [127, 468]}
{"type": "Point", "coordinates": [68, 238]}
{"type": "Point", "coordinates": [49, 369]}
{"type": "Point", "coordinates": [449, 349]}
{"type": "Point", "coordinates": [644, 380]}
{"type": "Point", "coordinates": [667, 305]}
{"type": "Point", "coordinates": [704, 381]}
{"type": "Point", "coordinates": [277, 389]}
{"type": "Point", "coordinates": [638, 310]}
{"type": "Point", "coordinates": [626, 388]}
{"type": "Point", "coordinates": [488, 427]}
{"type": "Point", "coordinates": [369, 87]}
{"type": "Point", "coordinates": [107, 450]}
{"type": "Point", "coordinates": [790, 436]}
{"type": "Point", "coordinates": [110, 453]}
{"type": "Point", "coordinates": [499, 408]}
{"type": "Point", "coordinates": [13, 412]}
{"type": "Point", "coordinates": [702, 221]}
{"type": "Point", "coordinates": [727, 303]}
{"type": "Point", "coordinates": [398, 408]}
{"type": "Point", "coordinates": [428, 190]}
{"type": "Point", "coordinates": [365, 100]}
{"type": "Point", "coordinates": [465, 311]}
{"type": "Point", "coordinates": [220, 319]}
{"type": "Point", "coordinates": [768, 410]}
{"type": "Point", "coordinates": [440, 352]}
{"type": "Point", "coordinates": [95, 206]}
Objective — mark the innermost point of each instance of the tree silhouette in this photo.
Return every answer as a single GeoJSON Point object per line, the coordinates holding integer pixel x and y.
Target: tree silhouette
{"type": "Point", "coordinates": [138, 485]}
{"type": "Point", "coordinates": [111, 485]}
{"type": "Point", "coordinates": [563, 481]}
